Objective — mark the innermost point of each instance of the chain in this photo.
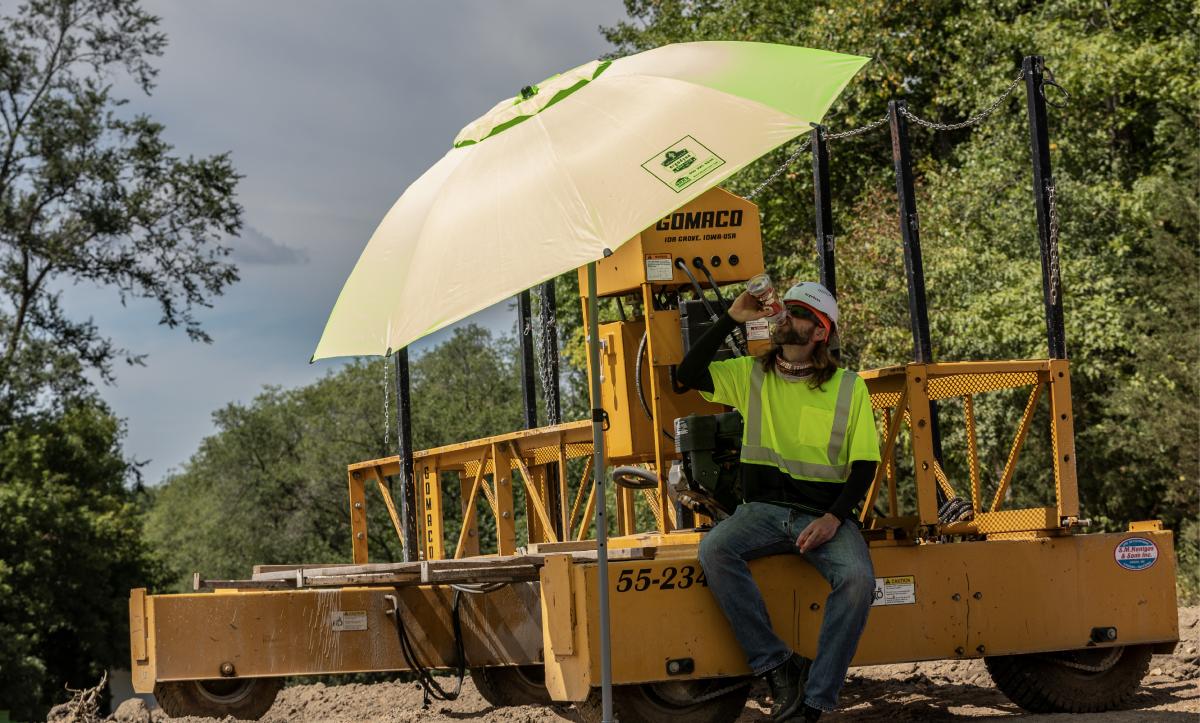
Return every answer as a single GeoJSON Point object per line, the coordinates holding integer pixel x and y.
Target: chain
{"type": "Point", "coordinates": [973, 120]}
{"type": "Point", "coordinates": [1108, 662]}
{"type": "Point", "coordinates": [1053, 242]}
{"type": "Point", "coordinates": [858, 131]}
{"type": "Point", "coordinates": [386, 415]}
{"type": "Point", "coordinates": [782, 167]}
{"type": "Point", "coordinates": [804, 145]}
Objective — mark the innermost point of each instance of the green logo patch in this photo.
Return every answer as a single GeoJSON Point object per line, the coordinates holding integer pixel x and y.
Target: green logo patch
{"type": "Point", "coordinates": [683, 163]}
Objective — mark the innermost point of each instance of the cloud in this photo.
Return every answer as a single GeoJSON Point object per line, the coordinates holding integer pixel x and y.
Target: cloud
{"type": "Point", "coordinates": [255, 247]}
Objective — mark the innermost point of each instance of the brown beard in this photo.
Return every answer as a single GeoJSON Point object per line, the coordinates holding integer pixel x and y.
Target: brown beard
{"type": "Point", "coordinates": [785, 334]}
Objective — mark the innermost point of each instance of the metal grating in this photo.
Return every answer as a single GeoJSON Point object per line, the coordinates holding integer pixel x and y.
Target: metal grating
{"type": "Point", "coordinates": [885, 400]}
{"type": "Point", "coordinates": [959, 385]}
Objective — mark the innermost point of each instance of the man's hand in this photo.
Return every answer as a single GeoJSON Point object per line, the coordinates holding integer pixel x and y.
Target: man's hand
{"type": "Point", "coordinates": [746, 308]}
{"type": "Point", "coordinates": [818, 532]}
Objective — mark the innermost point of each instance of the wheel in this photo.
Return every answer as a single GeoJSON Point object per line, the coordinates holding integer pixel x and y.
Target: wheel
{"type": "Point", "coordinates": [512, 685]}
{"type": "Point", "coordinates": [1075, 681]}
{"type": "Point", "coordinates": [242, 698]}
{"type": "Point", "coordinates": [717, 700]}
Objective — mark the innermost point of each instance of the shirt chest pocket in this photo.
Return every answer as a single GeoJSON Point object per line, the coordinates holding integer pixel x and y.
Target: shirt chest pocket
{"type": "Point", "coordinates": [805, 426]}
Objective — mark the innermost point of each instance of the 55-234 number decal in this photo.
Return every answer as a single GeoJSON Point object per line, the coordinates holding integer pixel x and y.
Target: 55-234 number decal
{"type": "Point", "coordinates": [670, 578]}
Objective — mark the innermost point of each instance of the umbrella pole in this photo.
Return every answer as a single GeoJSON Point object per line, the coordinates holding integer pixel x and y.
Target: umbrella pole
{"type": "Point", "coordinates": [598, 473]}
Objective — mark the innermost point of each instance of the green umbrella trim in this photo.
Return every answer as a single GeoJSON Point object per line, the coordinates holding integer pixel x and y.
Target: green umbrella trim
{"type": "Point", "coordinates": [522, 118]}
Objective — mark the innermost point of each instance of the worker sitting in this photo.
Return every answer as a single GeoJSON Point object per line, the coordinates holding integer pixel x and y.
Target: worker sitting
{"type": "Point", "coordinates": [809, 453]}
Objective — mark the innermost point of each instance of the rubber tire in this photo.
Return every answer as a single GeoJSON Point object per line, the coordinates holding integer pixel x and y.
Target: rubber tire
{"type": "Point", "coordinates": [512, 685]}
{"type": "Point", "coordinates": [1040, 684]}
{"type": "Point", "coordinates": [654, 702]}
{"type": "Point", "coordinates": [242, 698]}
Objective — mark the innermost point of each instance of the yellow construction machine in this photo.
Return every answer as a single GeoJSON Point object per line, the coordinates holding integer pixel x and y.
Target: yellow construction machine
{"type": "Point", "coordinates": [1065, 621]}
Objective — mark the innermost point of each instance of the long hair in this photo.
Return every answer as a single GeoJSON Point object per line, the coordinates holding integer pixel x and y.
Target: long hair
{"type": "Point", "coordinates": [824, 365]}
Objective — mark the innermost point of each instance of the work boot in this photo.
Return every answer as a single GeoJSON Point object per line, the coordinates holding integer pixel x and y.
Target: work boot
{"type": "Point", "coordinates": [809, 714]}
{"type": "Point", "coordinates": [787, 682]}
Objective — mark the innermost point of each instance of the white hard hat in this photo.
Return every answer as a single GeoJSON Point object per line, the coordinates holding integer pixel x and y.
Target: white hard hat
{"type": "Point", "coordinates": [815, 297]}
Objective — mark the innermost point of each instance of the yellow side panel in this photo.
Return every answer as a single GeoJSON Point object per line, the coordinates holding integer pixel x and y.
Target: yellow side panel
{"type": "Point", "coordinates": [310, 632]}
{"type": "Point", "coordinates": [558, 612]}
{"type": "Point", "coordinates": [957, 600]}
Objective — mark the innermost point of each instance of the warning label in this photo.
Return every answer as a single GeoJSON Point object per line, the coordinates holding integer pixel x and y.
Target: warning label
{"type": "Point", "coordinates": [659, 267]}
{"type": "Point", "coordinates": [895, 590]}
{"type": "Point", "coordinates": [344, 620]}
{"type": "Point", "coordinates": [758, 329]}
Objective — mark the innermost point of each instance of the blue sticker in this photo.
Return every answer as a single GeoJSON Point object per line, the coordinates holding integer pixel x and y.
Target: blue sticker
{"type": "Point", "coordinates": [1136, 553]}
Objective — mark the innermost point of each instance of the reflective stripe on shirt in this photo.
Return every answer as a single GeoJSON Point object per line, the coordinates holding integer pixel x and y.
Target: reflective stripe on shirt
{"type": "Point", "coordinates": [753, 449]}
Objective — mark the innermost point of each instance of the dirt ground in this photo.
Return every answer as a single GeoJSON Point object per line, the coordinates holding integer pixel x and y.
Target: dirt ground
{"type": "Point", "coordinates": [939, 691]}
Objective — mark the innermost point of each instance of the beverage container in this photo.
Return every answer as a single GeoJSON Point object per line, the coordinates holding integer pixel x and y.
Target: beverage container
{"type": "Point", "coordinates": [761, 288]}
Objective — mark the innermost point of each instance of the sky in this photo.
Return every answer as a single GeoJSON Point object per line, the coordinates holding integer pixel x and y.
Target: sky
{"type": "Point", "coordinates": [329, 110]}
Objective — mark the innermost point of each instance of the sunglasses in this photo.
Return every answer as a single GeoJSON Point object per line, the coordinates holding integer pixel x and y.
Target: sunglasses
{"type": "Point", "coordinates": [802, 312]}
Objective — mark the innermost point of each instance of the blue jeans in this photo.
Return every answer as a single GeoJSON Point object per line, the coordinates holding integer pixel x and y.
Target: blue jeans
{"type": "Point", "coordinates": [758, 529]}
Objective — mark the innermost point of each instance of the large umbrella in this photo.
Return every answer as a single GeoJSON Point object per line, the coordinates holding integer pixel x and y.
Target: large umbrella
{"type": "Point", "coordinates": [553, 179]}
{"type": "Point", "coordinates": [576, 165]}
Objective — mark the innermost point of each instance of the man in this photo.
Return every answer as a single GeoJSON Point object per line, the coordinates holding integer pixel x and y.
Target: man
{"type": "Point", "coordinates": [809, 453]}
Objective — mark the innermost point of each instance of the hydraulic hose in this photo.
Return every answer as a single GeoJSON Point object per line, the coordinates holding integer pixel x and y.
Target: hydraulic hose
{"type": "Point", "coordinates": [431, 689]}
{"type": "Point", "coordinates": [738, 336]}
{"type": "Point", "coordinates": [712, 314]}
{"type": "Point", "coordinates": [637, 380]}
{"type": "Point", "coordinates": [637, 374]}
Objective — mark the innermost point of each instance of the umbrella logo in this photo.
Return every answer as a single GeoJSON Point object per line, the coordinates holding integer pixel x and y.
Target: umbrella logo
{"type": "Point", "coordinates": [686, 154]}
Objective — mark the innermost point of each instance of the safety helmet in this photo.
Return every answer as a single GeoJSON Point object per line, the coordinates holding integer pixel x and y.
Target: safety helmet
{"type": "Point", "coordinates": [817, 298]}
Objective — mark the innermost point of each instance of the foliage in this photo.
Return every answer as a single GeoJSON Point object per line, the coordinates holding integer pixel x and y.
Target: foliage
{"type": "Point", "coordinates": [1125, 167]}
{"type": "Point", "coordinates": [71, 548]}
{"type": "Point", "coordinates": [87, 195]}
{"type": "Point", "coordinates": [270, 485]}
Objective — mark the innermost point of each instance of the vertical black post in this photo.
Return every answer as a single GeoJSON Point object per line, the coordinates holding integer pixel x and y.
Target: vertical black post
{"type": "Point", "coordinates": [824, 209]}
{"type": "Point", "coordinates": [528, 390]}
{"type": "Point", "coordinates": [548, 313]}
{"type": "Point", "coordinates": [548, 319]}
{"type": "Point", "coordinates": [914, 269]}
{"type": "Point", "coordinates": [910, 232]}
{"type": "Point", "coordinates": [1043, 189]}
{"type": "Point", "coordinates": [408, 487]}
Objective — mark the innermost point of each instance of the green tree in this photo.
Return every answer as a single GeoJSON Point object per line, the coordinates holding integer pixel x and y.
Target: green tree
{"type": "Point", "coordinates": [71, 548]}
{"type": "Point", "coordinates": [90, 195]}
{"type": "Point", "coordinates": [270, 485]}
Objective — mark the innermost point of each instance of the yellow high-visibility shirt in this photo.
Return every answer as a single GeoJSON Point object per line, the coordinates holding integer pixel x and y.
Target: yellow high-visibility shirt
{"type": "Point", "coordinates": [811, 434]}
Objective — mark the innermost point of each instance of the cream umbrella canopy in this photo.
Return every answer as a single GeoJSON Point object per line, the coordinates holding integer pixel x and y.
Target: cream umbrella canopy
{"type": "Point", "coordinates": [553, 179]}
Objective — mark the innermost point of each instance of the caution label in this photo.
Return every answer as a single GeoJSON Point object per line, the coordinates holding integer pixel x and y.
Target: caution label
{"type": "Point", "coordinates": [900, 590]}
{"type": "Point", "coordinates": [758, 329]}
{"type": "Point", "coordinates": [345, 620]}
{"type": "Point", "coordinates": [659, 267]}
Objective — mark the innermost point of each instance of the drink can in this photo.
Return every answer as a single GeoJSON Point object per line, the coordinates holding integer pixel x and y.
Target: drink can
{"type": "Point", "coordinates": [761, 288]}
